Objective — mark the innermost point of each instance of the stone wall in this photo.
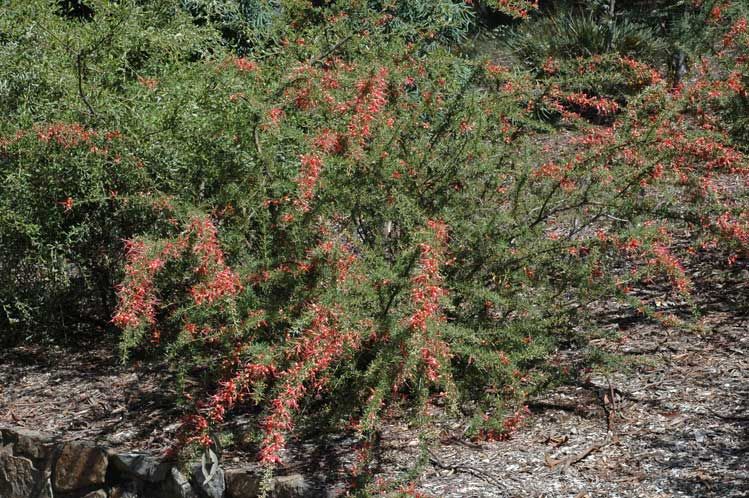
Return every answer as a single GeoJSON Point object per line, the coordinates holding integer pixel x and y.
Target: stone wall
{"type": "Point", "coordinates": [37, 465]}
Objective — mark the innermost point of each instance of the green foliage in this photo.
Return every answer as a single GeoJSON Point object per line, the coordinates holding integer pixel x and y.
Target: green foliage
{"type": "Point", "coordinates": [728, 30]}
{"type": "Point", "coordinates": [68, 92]}
{"type": "Point", "coordinates": [571, 34]}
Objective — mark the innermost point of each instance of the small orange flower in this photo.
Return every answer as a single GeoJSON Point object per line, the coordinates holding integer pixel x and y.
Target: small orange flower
{"type": "Point", "coordinates": [67, 204]}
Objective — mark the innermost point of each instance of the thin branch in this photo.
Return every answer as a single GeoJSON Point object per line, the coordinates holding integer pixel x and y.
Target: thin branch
{"type": "Point", "coordinates": [331, 50]}
{"type": "Point", "coordinates": [81, 93]}
{"type": "Point", "coordinates": [434, 460]}
{"type": "Point", "coordinates": [564, 463]}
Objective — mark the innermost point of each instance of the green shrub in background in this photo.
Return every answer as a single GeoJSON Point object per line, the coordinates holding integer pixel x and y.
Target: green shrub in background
{"type": "Point", "coordinates": [729, 99]}
{"type": "Point", "coordinates": [74, 184]}
{"type": "Point", "coordinates": [570, 34]}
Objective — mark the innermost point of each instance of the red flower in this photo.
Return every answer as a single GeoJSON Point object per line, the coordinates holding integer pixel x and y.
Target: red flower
{"type": "Point", "coordinates": [276, 115]}
{"type": "Point", "coordinates": [244, 65]}
{"type": "Point", "coordinates": [224, 283]}
{"type": "Point", "coordinates": [307, 180]}
{"type": "Point", "coordinates": [66, 135]}
{"type": "Point", "coordinates": [67, 204]}
{"type": "Point", "coordinates": [329, 142]}
{"type": "Point", "coordinates": [371, 100]}
{"type": "Point", "coordinates": [150, 83]}
{"type": "Point", "coordinates": [321, 344]}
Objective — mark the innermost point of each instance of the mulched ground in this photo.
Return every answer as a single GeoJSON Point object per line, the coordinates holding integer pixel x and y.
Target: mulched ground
{"type": "Point", "coordinates": [86, 396]}
{"type": "Point", "coordinates": [671, 421]}
{"type": "Point", "coordinates": [676, 425]}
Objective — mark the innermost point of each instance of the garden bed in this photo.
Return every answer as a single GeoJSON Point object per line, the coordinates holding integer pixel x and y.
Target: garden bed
{"type": "Point", "coordinates": [670, 420]}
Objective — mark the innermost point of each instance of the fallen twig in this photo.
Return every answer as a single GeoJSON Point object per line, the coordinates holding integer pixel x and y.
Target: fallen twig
{"type": "Point", "coordinates": [434, 460]}
{"type": "Point", "coordinates": [609, 406]}
{"type": "Point", "coordinates": [563, 463]}
{"type": "Point", "coordinates": [729, 418]}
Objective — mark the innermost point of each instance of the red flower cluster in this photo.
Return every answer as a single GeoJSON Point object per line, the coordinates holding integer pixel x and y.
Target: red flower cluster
{"type": "Point", "coordinates": [320, 345]}
{"type": "Point", "coordinates": [67, 204]}
{"type": "Point", "coordinates": [495, 69]}
{"type": "Point", "coordinates": [738, 28]}
{"type": "Point", "coordinates": [426, 291]}
{"type": "Point", "coordinates": [426, 294]}
{"type": "Point", "coordinates": [206, 246]}
{"type": "Point", "coordinates": [195, 427]}
{"type": "Point", "coordinates": [734, 228]}
{"type": "Point", "coordinates": [236, 389]}
{"type": "Point", "coordinates": [150, 83]}
{"type": "Point", "coordinates": [224, 283]}
{"type": "Point", "coordinates": [330, 142]}
{"type": "Point", "coordinates": [223, 280]}
{"type": "Point", "coordinates": [602, 106]}
{"type": "Point", "coordinates": [370, 101]}
{"type": "Point", "coordinates": [706, 152]}
{"type": "Point", "coordinates": [551, 66]}
{"type": "Point", "coordinates": [516, 8]}
{"type": "Point", "coordinates": [509, 426]}
{"type": "Point", "coordinates": [645, 74]}
{"type": "Point", "coordinates": [136, 297]}
{"type": "Point", "coordinates": [137, 301]}
{"type": "Point", "coordinates": [557, 173]}
{"type": "Point", "coordinates": [276, 115]}
{"type": "Point", "coordinates": [311, 166]}
{"type": "Point", "coordinates": [66, 135]}
{"type": "Point", "coordinates": [663, 259]}
{"type": "Point", "coordinates": [244, 65]}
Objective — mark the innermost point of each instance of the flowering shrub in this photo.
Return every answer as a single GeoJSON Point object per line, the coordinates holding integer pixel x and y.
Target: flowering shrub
{"type": "Point", "coordinates": [342, 213]}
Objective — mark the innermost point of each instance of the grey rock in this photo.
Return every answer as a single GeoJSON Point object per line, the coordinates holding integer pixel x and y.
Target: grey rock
{"type": "Point", "coordinates": [120, 492]}
{"type": "Point", "coordinates": [99, 493]}
{"type": "Point", "coordinates": [177, 485]}
{"type": "Point", "coordinates": [291, 486]}
{"type": "Point", "coordinates": [79, 466]}
{"type": "Point", "coordinates": [214, 488]}
{"type": "Point", "coordinates": [140, 466]}
{"type": "Point", "coordinates": [120, 437]}
{"type": "Point", "coordinates": [246, 483]}
{"type": "Point", "coordinates": [242, 483]}
{"type": "Point", "coordinates": [31, 444]}
{"type": "Point", "coordinates": [699, 436]}
{"type": "Point", "coordinates": [128, 490]}
{"type": "Point", "coordinates": [46, 491]}
{"type": "Point", "coordinates": [18, 477]}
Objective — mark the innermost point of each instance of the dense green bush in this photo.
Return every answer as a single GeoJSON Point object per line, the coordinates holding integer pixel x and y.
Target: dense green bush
{"type": "Point", "coordinates": [74, 182]}
{"type": "Point", "coordinates": [328, 206]}
{"type": "Point", "coordinates": [729, 97]}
